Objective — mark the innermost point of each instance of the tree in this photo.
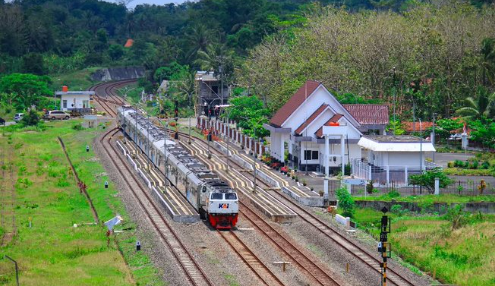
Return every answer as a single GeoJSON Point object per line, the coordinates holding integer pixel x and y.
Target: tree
{"type": "Point", "coordinates": [427, 179]}
{"type": "Point", "coordinates": [30, 119]}
{"type": "Point", "coordinates": [395, 127]}
{"type": "Point", "coordinates": [24, 89]}
{"type": "Point", "coordinates": [115, 52]}
{"type": "Point", "coordinates": [483, 132]}
{"type": "Point", "coordinates": [198, 38]}
{"type": "Point", "coordinates": [446, 126]}
{"type": "Point", "coordinates": [33, 63]}
{"type": "Point", "coordinates": [345, 202]}
{"type": "Point", "coordinates": [484, 105]}
{"type": "Point", "coordinates": [488, 64]}
{"type": "Point", "coordinates": [249, 114]}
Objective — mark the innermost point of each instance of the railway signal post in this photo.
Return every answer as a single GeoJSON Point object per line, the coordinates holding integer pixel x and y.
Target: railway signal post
{"type": "Point", "coordinates": [176, 114]}
{"type": "Point", "coordinates": [383, 245]}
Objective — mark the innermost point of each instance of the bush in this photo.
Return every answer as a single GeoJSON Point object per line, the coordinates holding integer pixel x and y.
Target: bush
{"type": "Point", "coordinates": [393, 194]}
{"type": "Point", "coordinates": [77, 127]}
{"type": "Point", "coordinates": [427, 179]}
{"type": "Point", "coordinates": [30, 119]}
{"type": "Point", "coordinates": [346, 202]}
{"type": "Point", "coordinates": [474, 165]}
{"type": "Point", "coordinates": [457, 216]}
{"type": "Point", "coordinates": [451, 164]}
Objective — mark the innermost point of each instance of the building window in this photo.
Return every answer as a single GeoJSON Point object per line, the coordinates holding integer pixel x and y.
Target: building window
{"type": "Point", "coordinates": [310, 155]}
{"type": "Point", "coordinates": [64, 103]}
{"type": "Point", "coordinates": [314, 155]}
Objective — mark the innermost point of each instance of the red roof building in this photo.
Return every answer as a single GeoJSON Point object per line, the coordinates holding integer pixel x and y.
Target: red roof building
{"type": "Point", "coordinates": [314, 128]}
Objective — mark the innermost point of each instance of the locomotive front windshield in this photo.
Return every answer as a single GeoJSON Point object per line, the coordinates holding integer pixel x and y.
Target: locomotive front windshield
{"type": "Point", "coordinates": [216, 196]}
{"type": "Point", "coordinates": [231, 196]}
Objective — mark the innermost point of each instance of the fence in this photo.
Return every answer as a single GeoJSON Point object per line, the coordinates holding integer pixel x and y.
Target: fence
{"type": "Point", "coordinates": [465, 188]}
{"type": "Point", "coordinates": [227, 129]}
{"type": "Point", "coordinates": [387, 175]}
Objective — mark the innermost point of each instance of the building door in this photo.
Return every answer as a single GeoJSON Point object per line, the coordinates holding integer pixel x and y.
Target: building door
{"type": "Point", "coordinates": [85, 104]}
{"type": "Point", "coordinates": [64, 104]}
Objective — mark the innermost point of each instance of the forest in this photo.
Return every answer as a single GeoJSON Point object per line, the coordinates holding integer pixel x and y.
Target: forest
{"type": "Point", "coordinates": [425, 58]}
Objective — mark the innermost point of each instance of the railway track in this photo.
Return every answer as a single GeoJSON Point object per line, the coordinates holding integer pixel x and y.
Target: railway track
{"type": "Point", "coordinates": [184, 258]}
{"type": "Point", "coordinates": [111, 100]}
{"type": "Point", "coordinates": [353, 248]}
{"type": "Point", "coordinates": [308, 265]}
{"type": "Point", "coordinates": [251, 260]}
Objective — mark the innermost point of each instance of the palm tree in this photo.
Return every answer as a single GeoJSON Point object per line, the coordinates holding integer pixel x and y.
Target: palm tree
{"type": "Point", "coordinates": [198, 39]}
{"type": "Point", "coordinates": [218, 58]}
{"type": "Point", "coordinates": [488, 63]}
{"type": "Point", "coordinates": [482, 106]}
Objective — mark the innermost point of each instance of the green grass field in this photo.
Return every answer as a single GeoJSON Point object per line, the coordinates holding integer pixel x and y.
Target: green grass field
{"type": "Point", "coordinates": [463, 256]}
{"type": "Point", "coordinates": [77, 80]}
{"type": "Point", "coordinates": [53, 251]}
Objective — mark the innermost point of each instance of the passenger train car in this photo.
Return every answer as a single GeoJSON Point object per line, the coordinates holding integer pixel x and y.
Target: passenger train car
{"type": "Point", "coordinates": [207, 193]}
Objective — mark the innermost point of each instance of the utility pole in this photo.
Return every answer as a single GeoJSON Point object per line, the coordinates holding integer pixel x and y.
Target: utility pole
{"type": "Point", "coordinates": [254, 167]}
{"type": "Point", "coordinates": [395, 94]}
{"type": "Point", "coordinates": [420, 152]}
{"type": "Point", "coordinates": [384, 246]}
{"type": "Point", "coordinates": [433, 135]}
{"type": "Point", "coordinates": [176, 113]}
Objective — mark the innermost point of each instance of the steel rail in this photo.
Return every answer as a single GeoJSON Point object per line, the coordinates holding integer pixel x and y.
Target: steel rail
{"type": "Point", "coordinates": [185, 259]}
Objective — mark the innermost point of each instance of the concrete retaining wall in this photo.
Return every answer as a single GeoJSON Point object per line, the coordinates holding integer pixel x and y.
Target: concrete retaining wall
{"type": "Point", "coordinates": [441, 208]}
{"type": "Point", "coordinates": [123, 73]}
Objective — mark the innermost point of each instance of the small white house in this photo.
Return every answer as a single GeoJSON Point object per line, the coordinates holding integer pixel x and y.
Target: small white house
{"type": "Point", "coordinates": [389, 159]}
{"type": "Point", "coordinates": [75, 100]}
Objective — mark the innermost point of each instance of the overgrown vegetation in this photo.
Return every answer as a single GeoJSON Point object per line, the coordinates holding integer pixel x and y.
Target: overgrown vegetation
{"type": "Point", "coordinates": [345, 202]}
{"type": "Point", "coordinates": [54, 251]}
{"type": "Point", "coordinates": [460, 255]}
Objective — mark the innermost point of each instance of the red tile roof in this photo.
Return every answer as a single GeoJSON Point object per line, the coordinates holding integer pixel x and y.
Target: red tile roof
{"type": "Point", "coordinates": [409, 126]}
{"type": "Point", "coordinates": [313, 116]}
{"type": "Point", "coordinates": [335, 118]}
{"type": "Point", "coordinates": [294, 102]}
{"type": "Point", "coordinates": [368, 113]}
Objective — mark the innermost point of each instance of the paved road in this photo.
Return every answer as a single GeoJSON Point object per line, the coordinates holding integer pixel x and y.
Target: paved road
{"type": "Point", "coordinates": [7, 123]}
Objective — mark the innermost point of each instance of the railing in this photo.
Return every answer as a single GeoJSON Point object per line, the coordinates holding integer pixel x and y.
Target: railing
{"type": "Point", "coordinates": [228, 129]}
{"type": "Point", "coordinates": [386, 175]}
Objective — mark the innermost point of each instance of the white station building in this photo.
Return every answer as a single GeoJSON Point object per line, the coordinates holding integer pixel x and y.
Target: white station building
{"type": "Point", "coordinates": [75, 100]}
{"type": "Point", "coordinates": [314, 132]}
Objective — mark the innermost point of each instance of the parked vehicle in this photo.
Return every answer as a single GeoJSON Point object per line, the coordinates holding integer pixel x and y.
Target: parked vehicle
{"type": "Point", "coordinates": [56, 114]}
{"type": "Point", "coordinates": [18, 117]}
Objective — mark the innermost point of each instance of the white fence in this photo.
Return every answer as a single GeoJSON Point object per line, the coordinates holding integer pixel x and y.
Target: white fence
{"type": "Point", "coordinates": [387, 175]}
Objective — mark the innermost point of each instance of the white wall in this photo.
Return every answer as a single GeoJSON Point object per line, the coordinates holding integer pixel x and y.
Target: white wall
{"type": "Point", "coordinates": [73, 101]}
{"type": "Point", "coordinates": [319, 97]}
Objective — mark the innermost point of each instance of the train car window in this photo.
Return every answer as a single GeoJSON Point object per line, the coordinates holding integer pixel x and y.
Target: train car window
{"type": "Point", "coordinates": [230, 196]}
{"type": "Point", "coordinates": [216, 196]}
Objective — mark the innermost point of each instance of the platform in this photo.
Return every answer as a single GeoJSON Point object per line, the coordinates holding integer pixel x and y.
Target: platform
{"type": "Point", "coordinates": [297, 191]}
{"type": "Point", "coordinates": [171, 201]}
{"type": "Point", "coordinates": [261, 199]}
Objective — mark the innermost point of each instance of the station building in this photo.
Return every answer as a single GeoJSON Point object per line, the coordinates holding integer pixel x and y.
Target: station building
{"type": "Point", "coordinates": [298, 130]}
{"type": "Point", "coordinates": [77, 101]}
{"type": "Point", "coordinates": [313, 131]}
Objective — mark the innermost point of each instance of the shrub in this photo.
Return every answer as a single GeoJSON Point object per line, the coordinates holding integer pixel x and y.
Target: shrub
{"type": "Point", "coordinates": [474, 165]}
{"type": "Point", "coordinates": [77, 127]}
{"type": "Point", "coordinates": [485, 165]}
{"type": "Point", "coordinates": [457, 216]}
{"type": "Point", "coordinates": [398, 210]}
{"type": "Point", "coordinates": [451, 164]}
{"type": "Point", "coordinates": [393, 194]}
{"type": "Point", "coordinates": [346, 202]}
{"type": "Point", "coordinates": [427, 179]}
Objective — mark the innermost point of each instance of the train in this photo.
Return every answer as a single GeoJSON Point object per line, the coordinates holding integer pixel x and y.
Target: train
{"type": "Point", "coordinates": [212, 197]}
